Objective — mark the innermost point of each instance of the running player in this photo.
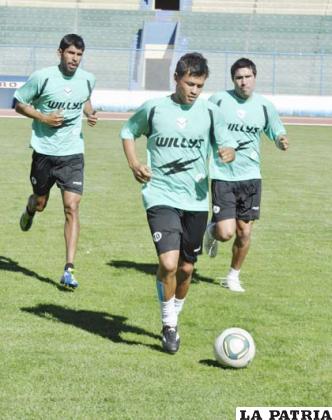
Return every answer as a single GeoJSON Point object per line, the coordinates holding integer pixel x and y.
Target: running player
{"type": "Point", "coordinates": [236, 188]}
{"type": "Point", "coordinates": [56, 98]}
{"type": "Point", "coordinates": [179, 130]}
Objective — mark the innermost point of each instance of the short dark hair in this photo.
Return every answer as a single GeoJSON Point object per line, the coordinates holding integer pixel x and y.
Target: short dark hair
{"type": "Point", "coordinates": [192, 63]}
{"type": "Point", "coordinates": [243, 63]}
{"type": "Point", "coordinates": [72, 39]}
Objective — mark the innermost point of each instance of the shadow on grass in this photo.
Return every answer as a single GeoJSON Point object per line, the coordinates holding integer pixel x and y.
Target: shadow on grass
{"type": "Point", "coordinates": [151, 269]}
{"type": "Point", "coordinates": [100, 323]}
{"type": "Point", "coordinates": [7, 264]}
{"type": "Point", "coordinates": [214, 363]}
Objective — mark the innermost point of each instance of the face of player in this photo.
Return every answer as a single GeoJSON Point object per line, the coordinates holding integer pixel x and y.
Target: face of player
{"type": "Point", "coordinates": [70, 59]}
{"type": "Point", "coordinates": [244, 82]}
{"type": "Point", "coordinates": [188, 88]}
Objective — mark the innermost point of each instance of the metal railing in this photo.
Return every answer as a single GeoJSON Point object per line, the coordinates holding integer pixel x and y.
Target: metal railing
{"type": "Point", "coordinates": [278, 73]}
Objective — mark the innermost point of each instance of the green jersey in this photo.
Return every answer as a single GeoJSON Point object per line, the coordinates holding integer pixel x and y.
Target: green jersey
{"type": "Point", "coordinates": [246, 120]}
{"type": "Point", "coordinates": [178, 145]}
{"type": "Point", "coordinates": [49, 90]}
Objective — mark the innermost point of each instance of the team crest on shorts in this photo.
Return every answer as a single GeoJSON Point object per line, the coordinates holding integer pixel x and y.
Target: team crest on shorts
{"type": "Point", "coordinates": [33, 180]}
{"type": "Point", "coordinates": [216, 209]}
{"type": "Point", "coordinates": [157, 236]}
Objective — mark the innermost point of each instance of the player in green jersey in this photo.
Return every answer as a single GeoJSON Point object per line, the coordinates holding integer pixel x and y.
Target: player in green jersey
{"type": "Point", "coordinates": [180, 129]}
{"type": "Point", "coordinates": [236, 188]}
{"type": "Point", "coordinates": [56, 98]}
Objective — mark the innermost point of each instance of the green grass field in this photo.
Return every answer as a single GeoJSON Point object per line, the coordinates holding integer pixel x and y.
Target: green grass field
{"type": "Point", "coordinates": [95, 353]}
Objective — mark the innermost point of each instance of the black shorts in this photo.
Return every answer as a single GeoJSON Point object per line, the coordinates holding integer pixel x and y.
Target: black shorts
{"type": "Point", "coordinates": [174, 229]}
{"type": "Point", "coordinates": [65, 171]}
{"type": "Point", "coordinates": [236, 199]}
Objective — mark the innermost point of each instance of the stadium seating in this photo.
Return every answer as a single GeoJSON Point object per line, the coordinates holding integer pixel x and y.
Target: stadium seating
{"type": "Point", "coordinates": [34, 34]}
{"type": "Point", "coordinates": [289, 7]}
{"type": "Point", "coordinates": [82, 4]}
{"type": "Point", "coordinates": [238, 32]}
{"type": "Point", "coordinates": [269, 31]}
{"type": "Point", "coordinates": [45, 26]}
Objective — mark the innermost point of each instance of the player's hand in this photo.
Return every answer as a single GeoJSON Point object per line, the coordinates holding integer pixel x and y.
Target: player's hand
{"type": "Point", "coordinates": [142, 173]}
{"type": "Point", "coordinates": [282, 142]}
{"type": "Point", "coordinates": [54, 119]}
{"type": "Point", "coordinates": [92, 119]}
{"type": "Point", "coordinates": [226, 154]}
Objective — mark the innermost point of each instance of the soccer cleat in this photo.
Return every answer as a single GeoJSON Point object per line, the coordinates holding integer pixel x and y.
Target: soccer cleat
{"type": "Point", "coordinates": [210, 244]}
{"type": "Point", "coordinates": [26, 221]}
{"type": "Point", "coordinates": [68, 279]}
{"type": "Point", "coordinates": [233, 284]}
{"type": "Point", "coordinates": [171, 339]}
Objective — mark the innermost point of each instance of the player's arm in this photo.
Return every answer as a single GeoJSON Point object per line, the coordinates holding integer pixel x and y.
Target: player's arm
{"type": "Point", "coordinates": [282, 142]}
{"type": "Point", "coordinates": [25, 97]}
{"type": "Point", "coordinates": [54, 119]}
{"type": "Point", "coordinates": [133, 129]}
{"type": "Point", "coordinates": [225, 142]}
{"type": "Point", "coordinates": [90, 113]}
{"type": "Point", "coordinates": [226, 154]}
{"type": "Point", "coordinates": [140, 171]}
{"type": "Point", "coordinates": [275, 129]}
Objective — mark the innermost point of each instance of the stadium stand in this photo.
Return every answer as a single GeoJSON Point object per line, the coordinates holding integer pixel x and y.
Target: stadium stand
{"type": "Point", "coordinates": [289, 7]}
{"type": "Point", "coordinates": [235, 32]}
{"type": "Point", "coordinates": [33, 34]}
{"type": "Point", "coordinates": [43, 26]}
{"type": "Point", "coordinates": [72, 4]}
{"type": "Point", "coordinates": [281, 36]}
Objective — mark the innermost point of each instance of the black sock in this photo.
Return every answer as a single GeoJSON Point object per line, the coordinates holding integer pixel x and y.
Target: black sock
{"type": "Point", "coordinates": [69, 265]}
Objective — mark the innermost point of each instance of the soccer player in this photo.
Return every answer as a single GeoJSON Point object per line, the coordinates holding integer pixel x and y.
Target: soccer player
{"type": "Point", "coordinates": [179, 130]}
{"type": "Point", "coordinates": [236, 188]}
{"type": "Point", "coordinates": [56, 98]}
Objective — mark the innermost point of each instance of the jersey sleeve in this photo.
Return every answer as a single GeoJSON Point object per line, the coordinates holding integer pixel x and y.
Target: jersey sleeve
{"type": "Point", "coordinates": [93, 81]}
{"type": "Point", "coordinates": [29, 91]}
{"type": "Point", "coordinates": [137, 124]}
{"type": "Point", "coordinates": [91, 85]}
{"type": "Point", "coordinates": [214, 98]}
{"type": "Point", "coordinates": [274, 126]}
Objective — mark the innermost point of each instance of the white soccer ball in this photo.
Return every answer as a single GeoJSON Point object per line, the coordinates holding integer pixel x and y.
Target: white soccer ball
{"type": "Point", "coordinates": [234, 347]}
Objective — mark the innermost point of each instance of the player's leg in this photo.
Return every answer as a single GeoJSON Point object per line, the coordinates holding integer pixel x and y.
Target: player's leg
{"type": "Point", "coordinates": [224, 230]}
{"type": "Point", "coordinates": [168, 263]}
{"type": "Point", "coordinates": [240, 250]}
{"type": "Point", "coordinates": [248, 209]}
{"type": "Point", "coordinates": [193, 225]}
{"type": "Point", "coordinates": [69, 178]}
{"type": "Point", "coordinates": [166, 230]}
{"type": "Point", "coordinates": [183, 280]}
{"type": "Point", "coordinates": [222, 226]}
{"type": "Point", "coordinates": [71, 202]}
{"type": "Point", "coordinates": [35, 203]}
{"type": "Point", "coordinates": [41, 181]}
{"type": "Point", "coordinates": [166, 286]}
{"type": "Point", "coordinates": [241, 243]}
